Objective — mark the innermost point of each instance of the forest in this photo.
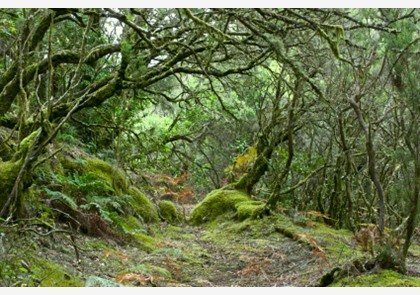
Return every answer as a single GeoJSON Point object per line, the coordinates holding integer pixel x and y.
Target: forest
{"type": "Point", "coordinates": [208, 147]}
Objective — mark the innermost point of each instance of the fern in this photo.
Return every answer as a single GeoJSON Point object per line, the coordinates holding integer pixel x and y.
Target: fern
{"type": "Point", "coordinates": [63, 197]}
{"type": "Point", "coordinates": [89, 183]}
{"type": "Point", "coordinates": [107, 207]}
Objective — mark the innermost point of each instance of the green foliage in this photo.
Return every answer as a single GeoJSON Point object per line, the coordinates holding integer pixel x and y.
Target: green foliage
{"type": "Point", "coordinates": [333, 34]}
{"type": "Point", "coordinates": [69, 135]}
{"type": "Point", "coordinates": [55, 195]}
{"type": "Point", "coordinates": [107, 173]}
{"type": "Point", "coordinates": [105, 206]}
{"type": "Point", "coordinates": [89, 183]}
{"type": "Point", "coordinates": [92, 186]}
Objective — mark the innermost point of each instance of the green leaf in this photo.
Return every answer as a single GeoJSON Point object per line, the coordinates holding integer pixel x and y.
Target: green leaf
{"type": "Point", "coordinates": [60, 196]}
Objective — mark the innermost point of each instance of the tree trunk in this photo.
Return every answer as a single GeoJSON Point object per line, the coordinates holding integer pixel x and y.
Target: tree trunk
{"type": "Point", "coordinates": [249, 179]}
{"type": "Point", "coordinates": [15, 176]}
{"type": "Point", "coordinates": [411, 223]}
{"type": "Point", "coordinates": [371, 161]}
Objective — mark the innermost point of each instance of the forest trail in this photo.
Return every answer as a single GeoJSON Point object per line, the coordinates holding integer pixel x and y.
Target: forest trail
{"type": "Point", "coordinates": [243, 261]}
{"type": "Point", "coordinates": [227, 253]}
{"type": "Point", "coordinates": [232, 255]}
{"type": "Point", "coordinates": [202, 258]}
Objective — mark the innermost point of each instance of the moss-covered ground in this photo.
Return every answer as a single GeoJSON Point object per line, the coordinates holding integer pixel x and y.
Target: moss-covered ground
{"type": "Point", "coordinates": [224, 252]}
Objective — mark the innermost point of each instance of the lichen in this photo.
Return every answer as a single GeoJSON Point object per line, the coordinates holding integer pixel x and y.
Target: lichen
{"type": "Point", "coordinates": [169, 212]}
{"type": "Point", "coordinates": [217, 203]}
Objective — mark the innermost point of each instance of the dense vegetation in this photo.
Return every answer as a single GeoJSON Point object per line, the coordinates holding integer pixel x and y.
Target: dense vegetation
{"type": "Point", "coordinates": [299, 123]}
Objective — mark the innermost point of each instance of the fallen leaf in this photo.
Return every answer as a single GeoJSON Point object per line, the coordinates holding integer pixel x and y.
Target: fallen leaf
{"type": "Point", "coordinates": [116, 253]}
{"type": "Point", "coordinates": [133, 278]}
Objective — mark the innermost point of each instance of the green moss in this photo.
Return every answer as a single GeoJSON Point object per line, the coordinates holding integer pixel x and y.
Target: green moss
{"type": "Point", "coordinates": [131, 222]}
{"type": "Point", "coordinates": [142, 206]}
{"type": "Point", "coordinates": [25, 145]}
{"type": "Point", "coordinates": [338, 243]}
{"type": "Point", "coordinates": [69, 165]}
{"type": "Point", "coordinates": [386, 278]}
{"type": "Point", "coordinates": [53, 275]}
{"type": "Point", "coordinates": [169, 212]}
{"type": "Point", "coordinates": [108, 173]}
{"type": "Point", "coordinates": [139, 205]}
{"type": "Point", "coordinates": [8, 173]}
{"type": "Point", "coordinates": [130, 225]}
{"type": "Point", "coordinates": [217, 203]}
{"type": "Point", "coordinates": [415, 249]}
{"type": "Point", "coordinates": [146, 243]}
{"type": "Point", "coordinates": [149, 270]}
{"type": "Point", "coordinates": [174, 253]}
{"type": "Point", "coordinates": [250, 209]}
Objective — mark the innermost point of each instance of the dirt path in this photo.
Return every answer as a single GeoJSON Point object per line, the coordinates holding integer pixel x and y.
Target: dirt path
{"type": "Point", "coordinates": [225, 254]}
{"type": "Point", "coordinates": [213, 259]}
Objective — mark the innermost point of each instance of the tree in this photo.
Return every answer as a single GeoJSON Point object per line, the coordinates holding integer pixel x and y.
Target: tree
{"type": "Point", "coordinates": [327, 98]}
{"type": "Point", "coordinates": [102, 65]}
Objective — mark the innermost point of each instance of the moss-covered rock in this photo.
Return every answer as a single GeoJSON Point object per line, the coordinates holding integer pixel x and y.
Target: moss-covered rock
{"type": "Point", "coordinates": [108, 173]}
{"type": "Point", "coordinates": [217, 203]}
{"type": "Point", "coordinates": [142, 206]}
{"type": "Point", "coordinates": [250, 209]}
{"type": "Point", "coordinates": [169, 212]}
